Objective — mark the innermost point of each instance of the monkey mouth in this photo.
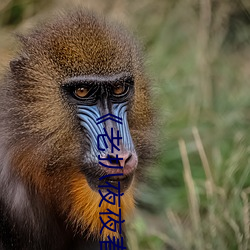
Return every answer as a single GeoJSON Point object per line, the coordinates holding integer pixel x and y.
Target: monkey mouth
{"type": "Point", "coordinates": [115, 177]}
{"type": "Point", "coordinates": [101, 180]}
{"type": "Point", "coordinates": [116, 183]}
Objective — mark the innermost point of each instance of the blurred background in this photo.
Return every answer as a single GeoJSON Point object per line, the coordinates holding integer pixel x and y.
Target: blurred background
{"type": "Point", "coordinates": [196, 194]}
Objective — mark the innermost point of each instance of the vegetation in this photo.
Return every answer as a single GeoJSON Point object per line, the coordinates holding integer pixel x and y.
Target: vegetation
{"type": "Point", "coordinates": [197, 193]}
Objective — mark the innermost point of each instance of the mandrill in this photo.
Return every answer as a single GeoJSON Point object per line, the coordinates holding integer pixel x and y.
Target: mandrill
{"type": "Point", "coordinates": [56, 159]}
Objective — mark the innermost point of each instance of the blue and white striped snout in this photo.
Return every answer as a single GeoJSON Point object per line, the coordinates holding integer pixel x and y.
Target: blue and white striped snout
{"type": "Point", "coordinates": [99, 129]}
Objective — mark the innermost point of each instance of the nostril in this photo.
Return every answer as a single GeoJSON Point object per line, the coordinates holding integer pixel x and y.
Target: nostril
{"type": "Point", "coordinates": [113, 159]}
{"type": "Point", "coordinates": [120, 160]}
{"type": "Point", "coordinates": [129, 157]}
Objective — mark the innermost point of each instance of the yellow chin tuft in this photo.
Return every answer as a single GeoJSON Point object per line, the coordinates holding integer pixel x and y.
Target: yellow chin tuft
{"type": "Point", "coordinates": [85, 208]}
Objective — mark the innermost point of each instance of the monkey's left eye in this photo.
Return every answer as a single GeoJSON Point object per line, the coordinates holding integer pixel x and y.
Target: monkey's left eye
{"type": "Point", "coordinates": [81, 92]}
{"type": "Point", "coordinates": [119, 90]}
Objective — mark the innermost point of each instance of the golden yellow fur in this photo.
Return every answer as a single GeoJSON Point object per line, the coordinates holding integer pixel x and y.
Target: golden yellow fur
{"type": "Point", "coordinates": [85, 212]}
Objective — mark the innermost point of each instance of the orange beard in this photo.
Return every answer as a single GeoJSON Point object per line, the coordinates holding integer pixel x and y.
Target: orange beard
{"type": "Point", "coordinates": [85, 208]}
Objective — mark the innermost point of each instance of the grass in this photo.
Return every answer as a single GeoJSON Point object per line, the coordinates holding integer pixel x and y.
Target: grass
{"type": "Point", "coordinates": [197, 195]}
{"type": "Point", "coordinates": [199, 189]}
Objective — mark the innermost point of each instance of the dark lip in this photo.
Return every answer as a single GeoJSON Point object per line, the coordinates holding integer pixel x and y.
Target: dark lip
{"type": "Point", "coordinates": [117, 178]}
{"type": "Point", "coordinates": [94, 181]}
{"type": "Point", "coordinates": [93, 172]}
{"type": "Point", "coordinates": [124, 180]}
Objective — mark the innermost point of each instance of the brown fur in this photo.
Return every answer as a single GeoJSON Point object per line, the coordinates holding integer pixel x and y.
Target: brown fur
{"type": "Point", "coordinates": [40, 135]}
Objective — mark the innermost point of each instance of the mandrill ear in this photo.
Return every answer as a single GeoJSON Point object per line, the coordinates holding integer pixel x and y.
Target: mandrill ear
{"type": "Point", "coordinates": [17, 67]}
{"type": "Point", "coordinates": [15, 64]}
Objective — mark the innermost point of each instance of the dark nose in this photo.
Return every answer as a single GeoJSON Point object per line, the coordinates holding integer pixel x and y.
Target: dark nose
{"type": "Point", "coordinates": [124, 162]}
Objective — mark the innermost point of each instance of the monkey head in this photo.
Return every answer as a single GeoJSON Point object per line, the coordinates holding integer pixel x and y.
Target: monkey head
{"type": "Point", "coordinates": [76, 115]}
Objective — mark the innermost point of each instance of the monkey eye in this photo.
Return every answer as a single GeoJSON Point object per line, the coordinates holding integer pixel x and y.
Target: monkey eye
{"type": "Point", "coordinates": [81, 92]}
{"type": "Point", "coordinates": [119, 89]}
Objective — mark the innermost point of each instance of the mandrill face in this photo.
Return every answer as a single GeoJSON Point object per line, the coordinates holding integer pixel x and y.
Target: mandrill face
{"type": "Point", "coordinates": [68, 74]}
{"type": "Point", "coordinates": [95, 96]}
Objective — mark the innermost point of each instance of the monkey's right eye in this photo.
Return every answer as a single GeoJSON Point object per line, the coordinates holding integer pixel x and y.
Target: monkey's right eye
{"type": "Point", "coordinates": [81, 92]}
